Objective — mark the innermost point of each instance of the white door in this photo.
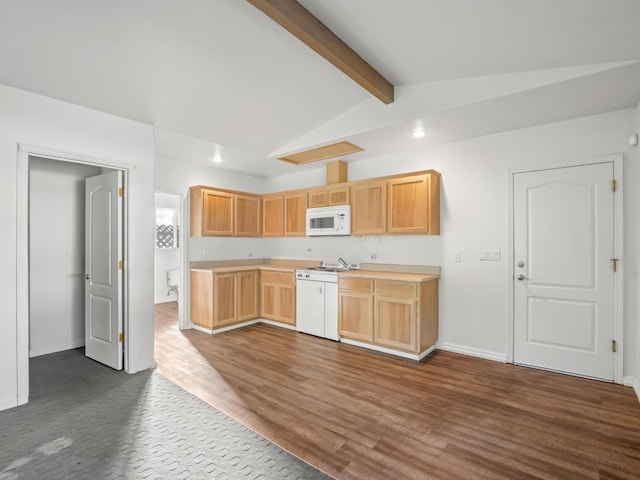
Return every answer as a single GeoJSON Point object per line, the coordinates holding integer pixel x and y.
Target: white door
{"type": "Point", "coordinates": [563, 275]}
{"type": "Point", "coordinates": [103, 285]}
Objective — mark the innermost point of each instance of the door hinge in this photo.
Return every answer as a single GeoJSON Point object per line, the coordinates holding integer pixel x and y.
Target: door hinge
{"type": "Point", "coordinates": [614, 264]}
{"type": "Point", "coordinates": [121, 338]}
{"type": "Point", "coordinates": [121, 192]}
{"type": "Point", "coordinates": [121, 265]}
{"type": "Point", "coordinates": [614, 346]}
{"type": "Point", "coordinates": [613, 185]}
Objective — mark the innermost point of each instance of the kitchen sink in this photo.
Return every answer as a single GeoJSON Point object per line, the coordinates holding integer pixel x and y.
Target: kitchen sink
{"type": "Point", "coordinates": [328, 269]}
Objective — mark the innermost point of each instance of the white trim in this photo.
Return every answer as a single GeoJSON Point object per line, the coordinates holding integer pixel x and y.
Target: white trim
{"type": "Point", "coordinates": [277, 324]}
{"type": "Point", "coordinates": [183, 312]}
{"type": "Point", "coordinates": [225, 329]}
{"type": "Point", "coordinates": [58, 348]}
{"type": "Point", "coordinates": [634, 383]}
{"type": "Point", "coordinates": [202, 329]}
{"type": "Point", "coordinates": [22, 255]}
{"type": "Point", "coordinates": [617, 160]}
{"type": "Point", "coordinates": [473, 352]}
{"type": "Point", "coordinates": [390, 351]}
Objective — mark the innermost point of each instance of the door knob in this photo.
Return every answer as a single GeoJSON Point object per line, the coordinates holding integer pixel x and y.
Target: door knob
{"type": "Point", "coordinates": [86, 276]}
{"type": "Point", "coordinates": [520, 264]}
{"type": "Point", "coordinates": [521, 277]}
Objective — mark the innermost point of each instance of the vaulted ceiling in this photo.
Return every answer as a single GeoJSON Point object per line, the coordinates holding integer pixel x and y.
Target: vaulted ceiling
{"type": "Point", "coordinates": [220, 75]}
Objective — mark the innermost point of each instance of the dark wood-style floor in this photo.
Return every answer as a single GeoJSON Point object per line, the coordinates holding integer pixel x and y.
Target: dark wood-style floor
{"type": "Point", "coordinates": [358, 414]}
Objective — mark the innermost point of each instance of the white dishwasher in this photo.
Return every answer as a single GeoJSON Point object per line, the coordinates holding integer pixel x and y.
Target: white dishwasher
{"type": "Point", "coordinates": [317, 303]}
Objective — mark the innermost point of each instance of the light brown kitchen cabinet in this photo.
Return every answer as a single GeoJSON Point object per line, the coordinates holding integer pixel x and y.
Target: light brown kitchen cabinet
{"type": "Point", "coordinates": [212, 212]}
{"type": "Point", "coordinates": [355, 313]}
{"type": "Point", "coordinates": [201, 298]}
{"type": "Point", "coordinates": [295, 214]}
{"type": "Point", "coordinates": [413, 204]}
{"type": "Point", "coordinates": [400, 315]}
{"type": "Point", "coordinates": [368, 208]}
{"type": "Point", "coordinates": [247, 215]}
{"type": "Point", "coordinates": [223, 213]}
{"type": "Point", "coordinates": [223, 299]}
{"type": "Point", "coordinates": [273, 215]}
{"type": "Point", "coordinates": [248, 284]}
{"type": "Point", "coordinates": [328, 196]}
{"type": "Point", "coordinates": [278, 297]}
{"type": "Point", "coordinates": [395, 322]}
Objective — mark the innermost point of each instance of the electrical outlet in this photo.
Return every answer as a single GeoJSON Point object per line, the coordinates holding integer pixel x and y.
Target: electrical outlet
{"type": "Point", "coordinates": [374, 255]}
{"type": "Point", "coordinates": [250, 254]}
{"type": "Point", "coordinates": [205, 252]}
{"type": "Point", "coordinates": [457, 257]}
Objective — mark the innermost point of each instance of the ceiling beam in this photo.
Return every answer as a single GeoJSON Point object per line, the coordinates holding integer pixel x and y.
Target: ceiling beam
{"type": "Point", "coordinates": [298, 21]}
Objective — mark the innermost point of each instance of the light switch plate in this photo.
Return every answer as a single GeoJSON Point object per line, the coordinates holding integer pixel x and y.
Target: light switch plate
{"type": "Point", "coordinates": [490, 255]}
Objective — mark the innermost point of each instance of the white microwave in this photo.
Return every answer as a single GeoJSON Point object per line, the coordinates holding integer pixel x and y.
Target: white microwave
{"type": "Point", "coordinates": [329, 221]}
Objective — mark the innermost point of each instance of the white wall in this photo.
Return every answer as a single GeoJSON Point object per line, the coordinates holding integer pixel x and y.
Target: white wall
{"type": "Point", "coordinates": [165, 259]}
{"type": "Point", "coordinates": [30, 119]}
{"type": "Point", "coordinates": [474, 216]}
{"type": "Point", "coordinates": [56, 254]}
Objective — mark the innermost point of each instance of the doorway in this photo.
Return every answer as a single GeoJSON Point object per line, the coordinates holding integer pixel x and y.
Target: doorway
{"type": "Point", "coordinates": [51, 255]}
{"type": "Point", "coordinates": [168, 252]}
{"type": "Point", "coordinates": [566, 275]}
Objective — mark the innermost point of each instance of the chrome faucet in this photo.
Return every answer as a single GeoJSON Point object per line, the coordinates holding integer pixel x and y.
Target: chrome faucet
{"type": "Point", "coordinates": [344, 264]}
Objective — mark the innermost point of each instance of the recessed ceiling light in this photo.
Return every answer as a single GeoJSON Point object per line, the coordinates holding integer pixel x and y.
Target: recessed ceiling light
{"type": "Point", "coordinates": [419, 133]}
{"type": "Point", "coordinates": [217, 158]}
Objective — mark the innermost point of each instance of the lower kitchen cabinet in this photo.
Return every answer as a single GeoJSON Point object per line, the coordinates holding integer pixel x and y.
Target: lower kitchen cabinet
{"type": "Point", "coordinates": [355, 314]}
{"type": "Point", "coordinates": [278, 297]}
{"type": "Point", "coordinates": [397, 315]}
{"type": "Point", "coordinates": [395, 322]}
{"type": "Point", "coordinates": [222, 299]}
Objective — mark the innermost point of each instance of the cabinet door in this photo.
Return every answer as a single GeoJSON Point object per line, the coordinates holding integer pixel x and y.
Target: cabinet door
{"type": "Point", "coordinates": [225, 299]}
{"type": "Point", "coordinates": [295, 214]}
{"type": "Point", "coordinates": [273, 216]}
{"type": "Point", "coordinates": [269, 306]}
{"type": "Point", "coordinates": [217, 213]}
{"type": "Point", "coordinates": [339, 195]}
{"type": "Point", "coordinates": [247, 215]}
{"type": "Point", "coordinates": [201, 298]}
{"type": "Point", "coordinates": [395, 323]}
{"type": "Point", "coordinates": [414, 204]}
{"type": "Point", "coordinates": [287, 304]}
{"type": "Point", "coordinates": [247, 295]}
{"type": "Point", "coordinates": [318, 197]}
{"type": "Point", "coordinates": [355, 315]}
{"type": "Point", "coordinates": [408, 205]}
{"type": "Point", "coordinates": [368, 213]}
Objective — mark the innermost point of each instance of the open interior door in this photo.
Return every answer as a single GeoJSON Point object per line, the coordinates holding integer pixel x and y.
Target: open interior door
{"type": "Point", "coordinates": [103, 252]}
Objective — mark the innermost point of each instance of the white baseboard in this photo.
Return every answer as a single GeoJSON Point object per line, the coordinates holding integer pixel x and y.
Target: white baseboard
{"type": "Point", "coordinates": [390, 351]}
{"type": "Point", "coordinates": [634, 383]}
{"type": "Point", "coordinates": [473, 352]}
{"type": "Point", "coordinates": [277, 324]}
{"type": "Point", "coordinates": [56, 348]}
{"type": "Point", "coordinates": [225, 329]}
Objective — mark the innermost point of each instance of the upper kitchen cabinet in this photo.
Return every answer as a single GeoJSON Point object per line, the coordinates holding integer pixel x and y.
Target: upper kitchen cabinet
{"type": "Point", "coordinates": [212, 212]}
{"type": "Point", "coordinates": [247, 215]}
{"type": "Point", "coordinates": [295, 214]}
{"type": "Point", "coordinates": [368, 208]}
{"type": "Point", "coordinates": [273, 215]}
{"type": "Point", "coordinates": [413, 204]}
{"type": "Point", "coordinates": [224, 213]}
{"type": "Point", "coordinates": [328, 196]}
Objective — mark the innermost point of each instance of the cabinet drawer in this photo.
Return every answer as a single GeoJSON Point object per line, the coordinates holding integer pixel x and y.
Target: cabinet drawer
{"type": "Point", "coordinates": [282, 278]}
{"type": "Point", "coordinates": [396, 289]}
{"type": "Point", "coordinates": [356, 284]}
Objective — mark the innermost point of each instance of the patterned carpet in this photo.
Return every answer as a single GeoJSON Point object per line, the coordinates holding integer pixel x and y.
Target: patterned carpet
{"type": "Point", "coordinates": [85, 421]}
